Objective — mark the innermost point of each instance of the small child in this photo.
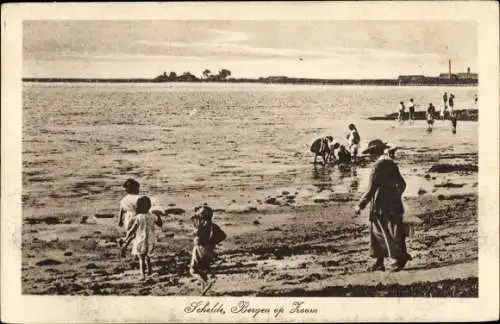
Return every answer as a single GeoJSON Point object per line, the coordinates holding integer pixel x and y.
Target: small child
{"type": "Point", "coordinates": [207, 236]}
{"type": "Point", "coordinates": [128, 204]}
{"type": "Point", "coordinates": [142, 231]}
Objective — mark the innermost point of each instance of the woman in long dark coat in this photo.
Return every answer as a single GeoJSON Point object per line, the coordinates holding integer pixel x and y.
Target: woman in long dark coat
{"type": "Point", "coordinates": [387, 233]}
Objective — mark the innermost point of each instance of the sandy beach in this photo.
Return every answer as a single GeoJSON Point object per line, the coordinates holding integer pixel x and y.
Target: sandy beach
{"type": "Point", "coordinates": [295, 240]}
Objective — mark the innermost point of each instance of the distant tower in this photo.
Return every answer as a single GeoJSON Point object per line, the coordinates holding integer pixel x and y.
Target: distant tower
{"type": "Point", "coordinates": [468, 72]}
{"type": "Point", "coordinates": [449, 68]}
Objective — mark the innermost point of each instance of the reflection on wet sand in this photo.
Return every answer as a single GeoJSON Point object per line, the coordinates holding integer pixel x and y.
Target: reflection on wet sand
{"type": "Point", "coordinates": [327, 176]}
{"type": "Point", "coordinates": [321, 176]}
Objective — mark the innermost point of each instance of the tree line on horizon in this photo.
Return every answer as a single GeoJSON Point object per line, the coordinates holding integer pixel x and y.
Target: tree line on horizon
{"type": "Point", "coordinates": [189, 77]}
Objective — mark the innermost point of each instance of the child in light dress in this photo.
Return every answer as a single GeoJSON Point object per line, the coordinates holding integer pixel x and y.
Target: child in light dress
{"type": "Point", "coordinates": [143, 234]}
{"type": "Point", "coordinates": [128, 204]}
{"type": "Point", "coordinates": [207, 236]}
{"type": "Point", "coordinates": [354, 140]}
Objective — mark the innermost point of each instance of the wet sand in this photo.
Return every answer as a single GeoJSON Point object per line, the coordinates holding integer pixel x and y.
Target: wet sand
{"type": "Point", "coordinates": [299, 241]}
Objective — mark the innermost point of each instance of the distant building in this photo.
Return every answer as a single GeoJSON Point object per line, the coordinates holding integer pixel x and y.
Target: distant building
{"type": "Point", "coordinates": [458, 76]}
{"type": "Point", "coordinates": [448, 76]}
{"type": "Point", "coordinates": [468, 75]}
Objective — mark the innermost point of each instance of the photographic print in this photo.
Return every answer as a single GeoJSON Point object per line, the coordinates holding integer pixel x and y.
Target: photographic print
{"type": "Point", "coordinates": [245, 158]}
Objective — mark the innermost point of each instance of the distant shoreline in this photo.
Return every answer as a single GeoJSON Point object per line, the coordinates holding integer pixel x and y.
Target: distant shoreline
{"type": "Point", "coordinates": [284, 80]}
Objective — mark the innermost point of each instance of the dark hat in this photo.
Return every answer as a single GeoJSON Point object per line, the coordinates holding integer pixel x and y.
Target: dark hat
{"type": "Point", "coordinates": [378, 147]}
{"type": "Point", "coordinates": [204, 212]}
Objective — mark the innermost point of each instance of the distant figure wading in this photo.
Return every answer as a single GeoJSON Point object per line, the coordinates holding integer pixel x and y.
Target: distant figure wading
{"type": "Point", "coordinates": [445, 106]}
{"type": "Point", "coordinates": [431, 111]}
{"type": "Point", "coordinates": [411, 109]}
{"type": "Point", "coordinates": [453, 118]}
{"type": "Point", "coordinates": [387, 232]}
{"type": "Point", "coordinates": [354, 139]}
{"type": "Point", "coordinates": [451, 103]}
{"type": "Point", "coordinates": [401, 112]}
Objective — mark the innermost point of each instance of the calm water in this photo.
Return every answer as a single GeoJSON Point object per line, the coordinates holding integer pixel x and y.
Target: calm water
{"type": "Point", "coordinates": [187, 142]}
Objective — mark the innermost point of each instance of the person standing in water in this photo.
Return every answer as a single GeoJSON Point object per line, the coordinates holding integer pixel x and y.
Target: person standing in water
{"type": "Point", "coordinates": [451, 103]}
{"type": "Point", "coordinates": [401, 112]}
{"type": "Point", "coordinates": [445, 105]}
{"type": "Point", "coordinates": [387, 230]}
{"type": "Point", "coordinates": [411, 109]}
{"type": "Point", "coordinates": [431, 111]}
{"type": "Point", "coordinates": [354, 139]}
{"type": "Point", "coordinates": [453, 118]}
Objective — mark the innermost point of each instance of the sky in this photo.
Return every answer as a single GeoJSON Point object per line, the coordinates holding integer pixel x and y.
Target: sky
{"type": "Point", "coordinates": [311, 49]}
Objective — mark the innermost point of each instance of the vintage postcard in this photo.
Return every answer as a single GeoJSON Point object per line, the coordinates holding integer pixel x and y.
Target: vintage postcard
{"type": "Point", "coordinates": [250, 162]}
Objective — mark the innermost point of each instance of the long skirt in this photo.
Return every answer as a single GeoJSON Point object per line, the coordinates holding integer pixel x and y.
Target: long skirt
{"type": "Point", "coordinates": [387, 238]}
{"type": "Point", "coordinates": [201, 257]}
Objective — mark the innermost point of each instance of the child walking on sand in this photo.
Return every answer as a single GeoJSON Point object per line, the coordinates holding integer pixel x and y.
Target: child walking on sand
{"type": "Point", "coordinates": [128, 204]}
{"type": "Point", "coordinates": [207, 236]}
{"type": "Point", "coordinates": [143, 233]}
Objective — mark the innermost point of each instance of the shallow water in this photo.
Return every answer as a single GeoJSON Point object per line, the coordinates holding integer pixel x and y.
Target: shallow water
{"type": "Point", "coordinates": [195, 143]}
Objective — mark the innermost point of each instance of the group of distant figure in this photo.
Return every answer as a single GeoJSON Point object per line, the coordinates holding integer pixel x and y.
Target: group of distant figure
{"type": "Point", "coordinates": [447, 112]}
{"type": "Point", "coordinates": [332, 151]}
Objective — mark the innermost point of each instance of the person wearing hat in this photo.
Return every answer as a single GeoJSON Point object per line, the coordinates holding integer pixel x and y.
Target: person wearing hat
{"type": "Point", "coordinates": [207, 236]}
{"type": "Point", "coordinates": [387, 231]}
{"type": "Point", "coordinates": [376, 148]}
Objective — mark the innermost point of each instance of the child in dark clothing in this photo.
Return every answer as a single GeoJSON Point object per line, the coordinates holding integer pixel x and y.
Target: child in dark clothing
{"type": "Point", "coordinates": [207, 236]}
